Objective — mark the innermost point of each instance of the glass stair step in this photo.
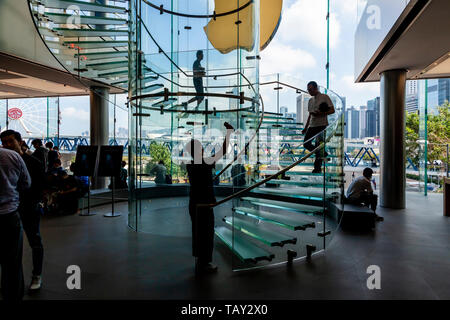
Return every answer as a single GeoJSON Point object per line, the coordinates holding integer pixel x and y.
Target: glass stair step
{"type": "Point", "coordinates": [151, 88]}
{"type": "Point", "coordinates": [111, 74]}
{"type": "Point", "coordinates": [305, 164]}
{"type": "Point", "coordinates": [62, 18]}
{"type": "Point", "coordinates": [120, 81]}
{"type": "Point", "coordinates": [288, 147]}
{"type": "Point", "coordinates": [107, 65]}
{"type": "Point", "coordinates": [147, 102]}
{"type": "Point", "coordinates": [280, 122]}
{"type": "Point", "coordinates": [291, 134]}
{"type": "Point", "coordinates": [306, 193]}
{"type": "Point", "coordinates": [298, 183]}
{"type": "Point", "coordinates": [289, 141]}
{"type": "Point", "coordinates": [302, 183]}
{"type": "Point", "coordinates": [48, 32]}
{"type": "Point", "coordinates": [96, 44]}
{"type": "Point", "coordinates": [68, 33]}
{"type": "Point", "coordinates": [274, 127]}
{"type": "Point", "coordinates": [85, 6]}
{"type": "Point", "coordinates": [303, 173]}
{"type": "Point", "coordinates": [288, 221]}
{"type": "Point", "coordinates": [266, 117]}
{"type": "Point", "coordinates": [164, 103]}
{"type": "Point", "coordinates": [304, 154]}
{"type": "Point", "coordinates": [267, 237]}
{"type": "Point", "coordinates": [245, 250]}
{"type": "Point", "coordinates": [103, 55]}
{"type": "Point", "coordinates": [145, 81]}
{"type": "Point", "coordinates": [57, 45]}
{"type": "Point", "coordinates": [295, 207]}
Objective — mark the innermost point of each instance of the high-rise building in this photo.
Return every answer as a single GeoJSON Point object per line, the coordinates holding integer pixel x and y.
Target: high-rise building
{"type": "Point", "coordinates": [433, 96]}
{"type": "Point", "coordinates": [352, 121]}
{"type": "Point", "coordinates": [411, 87]}
{"type": "Point", "coordinates": [371, 123]}
{"type": "Point", "coordinates": [438, 93]}
{"type": "Point", "coordinates": [374, 105]}
{"type": "Point", "coordinates": [292, 115]}
{"type": "Point", "coordinates": [444, 91]}
{"type": "Point", "coordinates": [302, 107]}
{"type": "Point", "coordinates": [412, 103]}
{"type": "Point", "coordinates": [283, 111]}
{"type": "Point", "coordinates": [362, 121]}
{"type": "Point", "coordinates": [412, 96]}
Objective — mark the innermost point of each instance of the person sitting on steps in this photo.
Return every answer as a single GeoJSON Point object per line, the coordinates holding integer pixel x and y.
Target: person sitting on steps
{"type": "Point", "coordinates": [360, 192]}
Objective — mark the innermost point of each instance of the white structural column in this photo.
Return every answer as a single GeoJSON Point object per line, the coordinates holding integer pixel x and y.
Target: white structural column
{"type": "Point", "coordinates": [392, 178]}
{"type": "Point", "coordinates": [99, 124]}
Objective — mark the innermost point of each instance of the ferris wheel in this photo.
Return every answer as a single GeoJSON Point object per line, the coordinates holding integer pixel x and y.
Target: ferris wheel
{"type": "Point", "coordinates": [34, 117]}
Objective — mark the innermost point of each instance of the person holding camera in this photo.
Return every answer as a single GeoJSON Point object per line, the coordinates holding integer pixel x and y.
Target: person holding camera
{"type": "Point", "coordinates": [201, 177]}
{"type": "Point", "coordinates": [319, 107]}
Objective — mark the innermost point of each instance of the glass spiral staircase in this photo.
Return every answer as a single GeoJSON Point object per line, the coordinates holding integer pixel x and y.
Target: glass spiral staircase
{"type": "Point", "coordinates": [271, 208]}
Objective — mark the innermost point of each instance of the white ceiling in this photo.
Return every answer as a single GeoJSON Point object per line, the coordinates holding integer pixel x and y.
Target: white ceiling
{"type": "Point", "coordinates": [423, 48]}
{"type": "Point", "coordinates": [20, 78]}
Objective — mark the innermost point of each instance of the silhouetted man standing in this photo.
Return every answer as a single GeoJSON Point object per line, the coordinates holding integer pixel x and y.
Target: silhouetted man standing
{"type": "Point", "coordinates": [199, 72]}
{"type": "Point", "coordinates": [40, 152]}
{"type": "Point", "coordinates": [29, 202]}
{"type": "Point", "coordinates": [200, 172]}
{"type": "Point", "coordinates": [13, 177]}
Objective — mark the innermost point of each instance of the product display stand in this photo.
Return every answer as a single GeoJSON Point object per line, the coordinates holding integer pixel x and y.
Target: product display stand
{"type": "Point", "coordinates": [112, 214]}
{"type": "Point", "coordinates": [88, 213]}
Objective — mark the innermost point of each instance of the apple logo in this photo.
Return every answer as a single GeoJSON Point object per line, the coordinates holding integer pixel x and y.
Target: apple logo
{"type": "Point", "coordinates": [220, 31]}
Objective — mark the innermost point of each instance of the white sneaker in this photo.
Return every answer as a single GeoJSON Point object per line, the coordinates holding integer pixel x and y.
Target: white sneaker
{"type": "Point", "coordinates": [36, 282]}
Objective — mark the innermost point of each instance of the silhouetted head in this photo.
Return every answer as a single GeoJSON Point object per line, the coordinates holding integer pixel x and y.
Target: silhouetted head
{"type": "Point", "coordinates": [313, 88]}
{"type": "Point", "coordinates": [11, 140]}
{"type": "Point", "coordinates": [368, 173]}
{"type": "Point", "coordinates": [200, 54]}
{"type": "Point", "coordinates": [123, 164]}
{"type": "Point", "coordinates": [49, 145]}
{"type": "Point", "coordinates": [36, 143]}
{"type": "Point", "coordinates": [161, 162]}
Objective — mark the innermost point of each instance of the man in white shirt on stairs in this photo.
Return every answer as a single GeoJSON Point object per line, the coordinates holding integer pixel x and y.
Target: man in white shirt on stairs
{"type": "Point", "coordinates": [319, 107]}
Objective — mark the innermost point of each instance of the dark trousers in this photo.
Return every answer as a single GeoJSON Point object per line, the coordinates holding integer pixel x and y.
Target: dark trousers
{"type": "Point", "coordinates": [366, 199]}
{"type": "Point", "coordinates": [198, 84]}
{"type": "Point", "coordinates": [202, 232]}
{"type": "Point", "coordinates": [311, 132]}
{"type": "Point", "coordinates": [31, 219]}
{"type": "Point", "coordinates": [68, 203]}
{"type": "Point", "coordinates": [11, 245]}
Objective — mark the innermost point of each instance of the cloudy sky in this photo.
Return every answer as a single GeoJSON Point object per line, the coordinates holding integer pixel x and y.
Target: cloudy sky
{"type": "Point", "coordinates": [299, 48]}
{"type": "Point", "coordinates": [297, 52]}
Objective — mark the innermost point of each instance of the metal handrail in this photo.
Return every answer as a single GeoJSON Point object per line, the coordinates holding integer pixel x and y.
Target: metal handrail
{"type": "Point", "coordinates": [214, 15]}
{"type": "Point", "coordinates": [284, 84]}
{"type": "Point", "coordinates": [321, 146]}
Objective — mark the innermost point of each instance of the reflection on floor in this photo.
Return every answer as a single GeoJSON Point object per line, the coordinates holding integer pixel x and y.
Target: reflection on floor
{"type": "Point", "coordinates": [411, 247]}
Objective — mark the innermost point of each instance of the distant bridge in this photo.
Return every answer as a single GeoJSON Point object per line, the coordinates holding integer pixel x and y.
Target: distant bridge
{"type": "Point", "coordinates": [70, 144]}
